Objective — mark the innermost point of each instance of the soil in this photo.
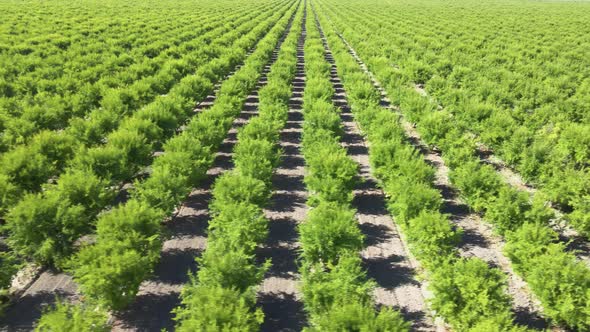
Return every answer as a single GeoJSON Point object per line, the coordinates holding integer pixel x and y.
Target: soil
{"type": "Point", "coordinates": [279, 294]}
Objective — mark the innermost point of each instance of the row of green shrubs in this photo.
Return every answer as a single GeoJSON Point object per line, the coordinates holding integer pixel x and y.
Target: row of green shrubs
{"type": "Point", "coordinates": [122, 92]}
{"type": "Point", "coordinates": [552, 271]}
{"type": "Point", "coordinates": [26, 168]}
{"type": "Point", "coordinates": [555, 276]}
{"type": "Point", "coordinates": [110, 271]}
{"type": "Point", "coordinates": [529, 114]}
{"type": "Point", "coordinates": [467, 293]}
{"type": "Point", "coordinates": [44, 226]}
{"type": "Point", "coordinates": [337, 294]}
{"type": "Point", "coordinates": [222, 294]}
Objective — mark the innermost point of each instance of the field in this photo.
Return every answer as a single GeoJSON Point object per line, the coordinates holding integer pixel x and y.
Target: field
{"type": "Point", "coordinates": [288, 165]}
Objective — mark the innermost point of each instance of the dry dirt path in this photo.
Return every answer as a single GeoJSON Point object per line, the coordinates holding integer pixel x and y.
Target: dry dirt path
{"type": "Point", "coordinates": [478, 240]}
{"type": "Point", "coordinates": [279, 295]}
{"type": "Point", "coordinates": [385, 256]}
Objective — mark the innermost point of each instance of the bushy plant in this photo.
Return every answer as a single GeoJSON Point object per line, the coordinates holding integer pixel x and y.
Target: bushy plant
{"type": "Point", "coordinates": [73, 318]}
{"type": "Point", "coordinates": [329, 231]}
{"type": "Point", "coordinates": [432, 237]}
{"type": "Point", "coordinates": [233, 187]}
{"type": "Point", "coordinates": [212, 308]}
{"type": "Point", "coordinates": [468, 291]}
{"type": "Point", "coordinates": [354, 316]}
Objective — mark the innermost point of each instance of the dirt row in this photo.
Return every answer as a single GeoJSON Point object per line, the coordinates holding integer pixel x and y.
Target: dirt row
{"type": "Point", "coordinates": [279, 295]}
{"type": "Point", "coordinates": [478, 240]}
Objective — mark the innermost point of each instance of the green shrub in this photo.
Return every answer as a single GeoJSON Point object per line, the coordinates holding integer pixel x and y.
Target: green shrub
{"type": "Point", "coordinates": [468, 291]}
{"type": "Point", "coordinates": [329, 231]}
{"type": "Point", "coordinates": [355, 316]}
{"type": "Point", "coordinates": [331, 174]}
{"type": "Point", "coordinates": [45, 227]}
{"type": "Point", "coordinates": [111, 271]}
{"type": "Point", "coordinates": [432, 237]}
{"type": "Point", "coordinates": [239, 226]}
{"type": "Point", "coordinates": [233, 187]}
{"type": "Point", "coordinates": [9, 194]}
{"type": "Point", "coordinates": [225, 266]}
{"type": "Point", "coordinates": [325, 287]}
{"type": "Point", "coordinates": [256, 159]}
{"type": "Point", "coordinates": [478, 184]}
{"type": "Point", "coordinates": [26, 167]}
{"type": "Point", "coordinates": [107, 162]}
{"type": "Point", "coordinates": [73, 318]}
{"type": "Point", "coordinates": [507, 210]}
{"type": "Point", "coordinates": [408, 199]}
{"type": "Point", "coordinates": [214, 308]}
{"type": "Point", "coordinates": [55, 146]}
{"type": "Point", "coordinates": [133, 144]}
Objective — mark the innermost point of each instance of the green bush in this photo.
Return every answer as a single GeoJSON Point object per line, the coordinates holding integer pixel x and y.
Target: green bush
{"type": "Point", "coordinates": [107, 162]}
{"type": "Point", "coordinates": [325, 287]}
{"type": "Point", "coordinates": [468, 291]}
{"type": "Point", "coordinates": [45, 227]}
{"type": "Point", "coordinates": [560, 281]}
{"type": "Point", "coordinates": [331, 174]}
{"type": "Point", "coordinates": [355, 316]}
{"type": "Point", "coordinates": [9, 193]}
{"type": "Point", "coordinates": [240, 226]}
{"type": "Point", "coordinates": [329, 231]}
{"type": "Point", "coordinates": [256, 159]}
{"type": "Point", "coordinates": [134, 146]}
{"type": "Point", "coordinates": [233, 187]}
{"type": "Point", "coordinates": [214, 308]}
{"type": "Point", "coordinates": [478, 184]}
{"type": "Point", "coordinates": [225, 266]}
{"type": "Point", "coordinates": [26, 168]}
{"type": "Point", "coordinates": [507, 210]}
{"type": "Point", "coordinates": [432, 237]}
{"type": "Point", "coordinates": [323, 115]}
{"type": "Point", "coordinates": [73, 318]}
{"type": "Point", "coordinates": [408, 199]}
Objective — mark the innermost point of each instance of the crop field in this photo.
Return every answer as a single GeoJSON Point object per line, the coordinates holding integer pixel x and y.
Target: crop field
{"type": "Point", "coordinates": [294, 165]}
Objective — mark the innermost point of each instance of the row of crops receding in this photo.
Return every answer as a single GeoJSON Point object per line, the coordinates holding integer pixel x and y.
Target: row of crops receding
{"type": "Point", "coordinates": [46, 226]}
{"type": "Point", "coordinates": [473, 120]}
{"type": "Point", "coordinates": [551, 269]}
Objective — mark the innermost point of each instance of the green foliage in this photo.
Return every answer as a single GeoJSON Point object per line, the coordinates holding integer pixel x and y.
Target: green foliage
{"type": "Point", "coordinates": [256, 158]}
{"type": "Point", "coordinates": [126, 249]}
{"type": "Point", "coordinates": [26, 168]}
{"type": "Point", "coordinates": [73, 318]}
{"type": "Point", "coordinates": [331, 173]}
{"type": "Point", "coordinates": [358, 317]}
{"type": "Point", "coordinates": [468, 291]}
{"type": "Point", "coordinates": [233, 187]}
{"type": "Point", "coordinates": [432, 237]}
{"type": "Point", "coordinates": [560, 281]}
{"type": "Point", "coordinates": [239, 225]}
{"type": "Point", "coordinates": [45, 226]}
{"type": "Point", "coordinates": [407, 198]}
{"type": "Point", "coordinates": [328, 286]}
{"type": "Point", "coordinates": [478, 184]}
{"type": "Point", "coordinates": [214, 308]}
{"type": "Point", "coordinates": [329, 232]}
